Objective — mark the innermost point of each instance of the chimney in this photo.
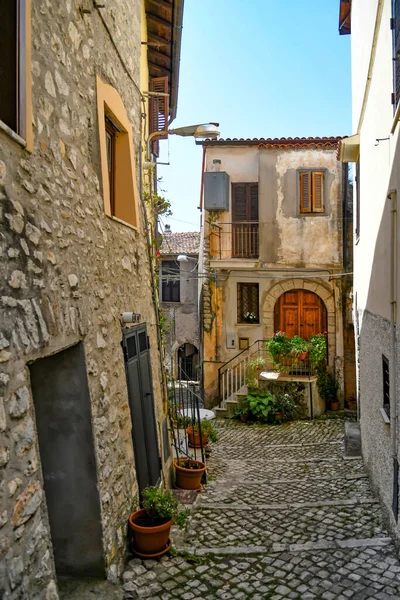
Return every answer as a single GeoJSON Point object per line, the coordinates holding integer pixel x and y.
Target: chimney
{"type": "Point", "coordinates": [217, 165]}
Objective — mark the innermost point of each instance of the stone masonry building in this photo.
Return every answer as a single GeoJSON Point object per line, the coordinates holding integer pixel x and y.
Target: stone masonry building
{"type": "Point", "coordinates": [74, 257]}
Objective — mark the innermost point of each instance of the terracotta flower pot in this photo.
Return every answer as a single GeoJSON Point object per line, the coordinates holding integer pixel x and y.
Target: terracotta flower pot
{"type": "Point", "coordinates": [278, 415]}
{"type": "Point", "coordinates": [194, 438]}
{"type": "Point", "coordinates": [189, 479]}
{"type": "Point", "coordinates": [303, 356]}
{"type": "Point", "coordinates": [334, 406]}
{"type": "Point", "coordinates": [149, 540]}
{"type": "Point", "coordinates": [244, 418]}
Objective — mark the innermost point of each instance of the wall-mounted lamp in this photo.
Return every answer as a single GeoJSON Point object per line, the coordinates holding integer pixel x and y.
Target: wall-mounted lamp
{"type": "Point", "coordinates": [201, 131]}
{"type": "Point", "coordinates": [130, 317]}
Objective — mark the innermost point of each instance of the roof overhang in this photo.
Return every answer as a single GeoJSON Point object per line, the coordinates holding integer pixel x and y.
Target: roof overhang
{"type": "Point", "coordinates": [345, 17]}
{"type": "Point", "coordinates": [349, 149]}
{"type": "Point", "coordinates": [164, 35]}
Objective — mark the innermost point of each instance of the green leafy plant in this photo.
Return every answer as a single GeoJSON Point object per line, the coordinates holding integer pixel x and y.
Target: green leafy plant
{"type": "Point", "coordinates": [254, 366]}
{"type": "Point", "coordinates": [279, 345]}
{"type": "Point", "coordinates": [298, 345]}
{"type": "Point", "coordinates": [160, 504]}
{"type": "Point", "coordinates": [261, 406]}
{"type": "Point", "coordinates": [317, 345]}
{"type": "Point", "coordinates": [328, 386]}
{"type": "Point", "coordinates": [207, 429]}
{"type": "Point", "coordinates": [285, 404]}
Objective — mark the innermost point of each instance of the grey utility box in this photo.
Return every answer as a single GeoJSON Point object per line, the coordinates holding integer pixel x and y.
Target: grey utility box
{"type": "Point", "coordinates": [216, 190]}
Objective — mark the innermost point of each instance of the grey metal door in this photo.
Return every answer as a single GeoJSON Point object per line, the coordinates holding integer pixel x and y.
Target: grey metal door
{"type": "Point", "coordinates": [141, 401]}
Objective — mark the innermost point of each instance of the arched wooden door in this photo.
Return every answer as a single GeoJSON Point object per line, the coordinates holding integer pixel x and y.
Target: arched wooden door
{"type": "Point", "coordinates": [300, 312]}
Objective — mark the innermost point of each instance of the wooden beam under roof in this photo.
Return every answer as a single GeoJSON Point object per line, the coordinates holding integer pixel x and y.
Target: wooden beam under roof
{"type": "Point", "coordinates": [161, 4]}
{"type": "Point", "coordinates": [165, 47]}
{"type": "Point", "coordinates": [159, 27]}
{"type": "Point", "coordinates": [158, 58]}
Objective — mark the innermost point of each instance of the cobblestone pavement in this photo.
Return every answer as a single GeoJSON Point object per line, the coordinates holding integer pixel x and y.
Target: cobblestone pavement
{"type": "Point", "coordinates": [284, 515]}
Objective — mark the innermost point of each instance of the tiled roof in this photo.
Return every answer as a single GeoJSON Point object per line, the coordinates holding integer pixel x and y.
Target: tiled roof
{"type": "Point", "coordinates": [311, 142]}
{"type": "Point", "coordinates": [187, 242]}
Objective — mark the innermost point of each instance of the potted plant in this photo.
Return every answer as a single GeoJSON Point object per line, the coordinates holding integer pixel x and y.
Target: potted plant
{"type": "Point", "coordinates": [150, 526]}
{"type": "Point", "coordinates": [208, 433]}
{"type": "Point", "coordinates": [299, 348]}
{"type": "Point", "coordinates": [261, 406]}
{"type": "Point", "coordinates": [284, 407]}
{"type": "Point", "coordinates": [242, 411]}
{"type": "Point", "coordinates": [328, 387]}
{"type": "Point", "coordinates": [188, 473]}
{"type": "Point", "coordinates": [278, 346]}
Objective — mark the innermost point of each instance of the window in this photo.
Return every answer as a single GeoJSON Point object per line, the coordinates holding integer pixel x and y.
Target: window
{"type": "Point", "coordinates": [171, 286]}
{"type": "Point", "coordinates": [14, 71]}
{"type": "Point", "coordinates": [158, 110]}
{"type": "Point", "coordinates": [386, 385]}
{"type": "Point", "coordinates": [116, 153]}
{"type": "Point", "coordinates": [395, 26]}
{"type": "Point", "coordinates": [358, 220]}
{"type": "Point", "coordinates": [311, 189]}
{"type": "Point", "coordinates": [247, 303]}
{"type": "Point", "coordinates": [245, 232]}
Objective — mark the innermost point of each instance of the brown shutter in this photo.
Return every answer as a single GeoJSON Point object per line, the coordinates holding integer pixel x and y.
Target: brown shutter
{"type": "Point", "coordinates": [305, 192]}
{"type": "Point", "coordinates": [318, 191]}
{"type": "Point", "coordinates": [239, 204]}
{"type": "Point", "coordinates": [158, 106]}
{"type": "Point", "coordinates": [253, 202]}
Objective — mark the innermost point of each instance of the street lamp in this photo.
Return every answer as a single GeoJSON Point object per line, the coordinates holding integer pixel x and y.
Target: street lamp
{"type": "Point", "coordinates": [201, 131]}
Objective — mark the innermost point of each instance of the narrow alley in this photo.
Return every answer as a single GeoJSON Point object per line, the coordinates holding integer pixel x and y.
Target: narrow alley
{"type": "Point", "coordinates": [284, 515]}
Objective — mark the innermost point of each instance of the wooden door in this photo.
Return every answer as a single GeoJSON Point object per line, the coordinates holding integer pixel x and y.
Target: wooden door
{"type": "Point", "coordinates": [300, 312]}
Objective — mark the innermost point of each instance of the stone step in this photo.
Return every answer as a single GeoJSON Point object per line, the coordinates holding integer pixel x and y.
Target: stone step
{"type": "Point", "coordinates": [221, 528]}
{"type": "Point", "coordinates": [229, 492]}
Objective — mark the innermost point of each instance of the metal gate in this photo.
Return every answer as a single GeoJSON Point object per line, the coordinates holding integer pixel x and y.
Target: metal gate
{"type": "Point", "coordinates": [141, 401]}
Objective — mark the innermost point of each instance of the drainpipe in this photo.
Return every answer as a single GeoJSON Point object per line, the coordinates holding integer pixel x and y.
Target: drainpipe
{"type": "Point", "coordinates": [392, 196]}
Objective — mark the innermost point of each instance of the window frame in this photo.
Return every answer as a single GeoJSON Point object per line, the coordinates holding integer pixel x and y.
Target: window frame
{"type": "Point", "coordinates": [357, 220]}
{"type": "Point", "coordinates": [240, 308]}
{"type": "Point", "coordinates": [168, 288]}
{"type": "Point", "coordinates": [111, 133]}
{"type": "Point", "coordinates": [312, 212]}
{"type": "Point", "coordinates": [21, 131]}
{"type": "Point", "coordinates": [395, 27]}
{"type": "Point", "coordinates": [386, 385]}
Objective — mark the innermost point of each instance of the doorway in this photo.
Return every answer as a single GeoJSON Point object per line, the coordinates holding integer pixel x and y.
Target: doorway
{"type": "Point", "coordinates": [64, 425]}
{"type": "Point", "coordinates": [141, 402]}
{"type": "Point", "coordinates": [300, 312]}
{"type": "Point", "coordinates": [188, 360]}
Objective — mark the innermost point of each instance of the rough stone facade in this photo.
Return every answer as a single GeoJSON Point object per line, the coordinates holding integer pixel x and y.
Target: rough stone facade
{"type": "Point", "coordinates": [67, 273]}
{"type": "Point", "coordinates": [182, 318]}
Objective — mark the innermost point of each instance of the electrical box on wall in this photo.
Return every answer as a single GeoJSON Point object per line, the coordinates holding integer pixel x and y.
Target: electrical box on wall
{"type": "Point", "coordinates": [230, 340]}
{"type": "Point", "coordinates": [216, 190]}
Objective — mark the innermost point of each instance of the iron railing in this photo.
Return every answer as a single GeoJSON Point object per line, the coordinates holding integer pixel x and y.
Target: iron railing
{"type": "Point", "coordinates": [184, 405]}
{"type": "Point", "coordinates": [233, 375]}
{"type": "Point", "coordinates": [234, 240]}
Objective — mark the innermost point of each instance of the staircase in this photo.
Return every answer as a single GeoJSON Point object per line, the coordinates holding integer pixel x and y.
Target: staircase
{"type": "Point", "coordinates": [232, 377]}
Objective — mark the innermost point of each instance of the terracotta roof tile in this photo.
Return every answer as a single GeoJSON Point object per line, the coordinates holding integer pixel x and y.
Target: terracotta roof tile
{"type": "Point", "coordinates": [270, 143]}
{"type": "Point", "coordinates": [187, 242]}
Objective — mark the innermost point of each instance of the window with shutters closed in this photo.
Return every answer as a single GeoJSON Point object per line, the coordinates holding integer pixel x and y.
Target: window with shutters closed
{"type": "Point", "coordinates": [158, 110]}
{"type": "Point", "coordinates": [245, 230]}
{"type": "Point", "coordinates": [395, 26]}
{"type": "Point", "coordinates": [311, 191]}
{"type": "Point", "coordinates": [247, 303]}
{"type": "Point", "coordinates": [171, 285]}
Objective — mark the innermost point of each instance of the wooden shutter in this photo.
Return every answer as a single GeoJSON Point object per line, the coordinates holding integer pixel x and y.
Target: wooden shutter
{"type": "Point", "coordinates": [9, 63]}
{"type": "Point", "coordinates": [239, 202]}
{"type": "Point", "coordinates": [305, 192]}
{"type": "Point", "coordinates": [253, 192]}
{"type": "Point", "coordinates": [158, 106]}
{"type": "Point", "coordinates": [358, 223]}
{"type": "Point", "coordinates": [395, 24]}
{"type": "Point", "coordinates": [318, 191]}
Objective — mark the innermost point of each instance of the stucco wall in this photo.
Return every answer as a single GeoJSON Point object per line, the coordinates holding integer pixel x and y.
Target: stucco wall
{"type": "Point", "coordinates": [182, 317]}
{"type": "Point", "coordinates": [67, 272]}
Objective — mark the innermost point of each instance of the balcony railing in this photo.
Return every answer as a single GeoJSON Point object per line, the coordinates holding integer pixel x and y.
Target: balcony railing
{"type": "Point", "coordinates": [234, 240]}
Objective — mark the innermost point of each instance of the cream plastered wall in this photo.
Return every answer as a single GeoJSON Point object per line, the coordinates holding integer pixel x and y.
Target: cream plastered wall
{"type": "Point", "coordinates": [378, 165]}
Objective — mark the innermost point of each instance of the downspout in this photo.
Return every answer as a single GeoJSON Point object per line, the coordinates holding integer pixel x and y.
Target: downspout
{"type": "Point", "coordinates": [393, 317]}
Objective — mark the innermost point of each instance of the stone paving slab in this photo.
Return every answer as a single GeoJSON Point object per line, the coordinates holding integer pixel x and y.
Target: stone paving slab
{"type": "Point", "coordinates": [295, 432]}
{"type": "Point", "coordinates": [229, 491]}
{"type": "Point", "coordinates": [215, 528]}
{"type": "Point", "coordinates": [369, 573]}
{"type": "Point", "coordinates": [284, 452]}
{"type": "Point", "coordinates": [265, 470]}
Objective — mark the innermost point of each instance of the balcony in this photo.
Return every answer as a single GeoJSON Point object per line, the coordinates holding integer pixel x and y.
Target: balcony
{"type": "Point", "coordinates": [234, 240]}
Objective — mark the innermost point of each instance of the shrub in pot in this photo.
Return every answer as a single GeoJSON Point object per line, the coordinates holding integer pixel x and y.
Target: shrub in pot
{"type": "Point", "coordinates": [278, 346]}
{"type": "Point", "coordinates": [299, 348]}
{"type": "Point", "coordinates": [208, 433]}
{"type": "Point", "coordinates": [284, 407]}
{"type": "Point", "coordinates": [188, 473]}
{"type": "Point", "coordinates": [150, 526]}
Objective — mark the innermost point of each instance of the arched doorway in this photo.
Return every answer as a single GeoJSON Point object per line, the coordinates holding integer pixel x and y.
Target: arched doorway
{"type": "Point", "coordinates": [188, 360]}
{"type": "Point", "coordinates": [300, 312]}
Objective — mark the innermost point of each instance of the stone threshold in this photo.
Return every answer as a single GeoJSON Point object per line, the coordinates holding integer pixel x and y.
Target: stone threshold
{"type": "Point", "coordinates": [288, 505]}
{"type": "Point", "coordinates": [272, 548]}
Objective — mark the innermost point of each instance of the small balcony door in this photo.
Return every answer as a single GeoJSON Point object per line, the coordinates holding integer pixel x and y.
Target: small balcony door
{"type": "Point", "coordinates": [245, 232]}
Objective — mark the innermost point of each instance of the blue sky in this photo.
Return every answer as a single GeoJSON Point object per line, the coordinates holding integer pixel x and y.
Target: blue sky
{"type": "Point", "coordinates": [260, 68]}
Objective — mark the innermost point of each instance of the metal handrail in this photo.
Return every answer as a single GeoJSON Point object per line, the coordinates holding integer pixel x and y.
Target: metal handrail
{"type": "Point", "coordinates": [237, 355]}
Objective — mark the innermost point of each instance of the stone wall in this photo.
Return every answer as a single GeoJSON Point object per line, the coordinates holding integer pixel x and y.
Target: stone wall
{"type": "Point", "coordinates": [67, 272]}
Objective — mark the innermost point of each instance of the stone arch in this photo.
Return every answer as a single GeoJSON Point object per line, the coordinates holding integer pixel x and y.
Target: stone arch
{"type": "Point", "coordinates": [321, 288]}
